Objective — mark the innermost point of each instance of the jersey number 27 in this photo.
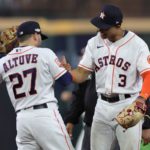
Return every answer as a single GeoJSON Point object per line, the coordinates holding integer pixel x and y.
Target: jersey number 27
{"type": "Point", "coordinates": [20, 78]}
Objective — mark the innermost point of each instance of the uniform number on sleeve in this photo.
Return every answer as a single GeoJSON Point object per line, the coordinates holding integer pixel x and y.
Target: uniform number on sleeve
{"type": "Point", "coordinates": [20, 79]}
{"type": "Point", "coordinates": [123, 79]}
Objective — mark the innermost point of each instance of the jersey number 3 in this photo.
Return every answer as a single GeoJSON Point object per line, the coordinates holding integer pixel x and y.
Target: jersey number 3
{"type": "Point", "coordinates": [20, 78]}
{"type": "Point", "coordinates": [123, 79]}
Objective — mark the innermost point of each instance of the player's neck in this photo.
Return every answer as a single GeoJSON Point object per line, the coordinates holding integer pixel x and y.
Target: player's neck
{"type": "Point", "coordinates": [119, 35]}
{"type": "Point", "coordinates": [27, 43]}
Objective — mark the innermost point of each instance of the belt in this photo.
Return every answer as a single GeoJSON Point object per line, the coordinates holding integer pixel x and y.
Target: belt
{"type": "Point", "coordinates": [40, 106]}
{"type": "Point", "coordinates": [115, 97]}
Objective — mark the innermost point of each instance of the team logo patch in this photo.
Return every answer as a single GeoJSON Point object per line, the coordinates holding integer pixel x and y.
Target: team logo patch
{"type": "Point", "coordinates": [148, 59]}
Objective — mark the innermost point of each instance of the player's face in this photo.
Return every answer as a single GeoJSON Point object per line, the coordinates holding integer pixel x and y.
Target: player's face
{"type": "Point", "coordinates": [109, 33]}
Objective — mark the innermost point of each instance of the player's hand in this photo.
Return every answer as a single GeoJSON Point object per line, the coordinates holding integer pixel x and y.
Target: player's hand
{"type": "Point", "coordinates": [146, 136]}
{"type": "Point", "coordinates": [69, 128]}
{"type": "Point", "coordinates": [65, 64]}
{"type": "Point", "coordinates": [66, 96]}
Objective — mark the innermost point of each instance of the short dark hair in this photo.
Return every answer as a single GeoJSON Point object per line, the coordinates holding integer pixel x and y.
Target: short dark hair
{"type": "Point", "coordinates": [24, 37]}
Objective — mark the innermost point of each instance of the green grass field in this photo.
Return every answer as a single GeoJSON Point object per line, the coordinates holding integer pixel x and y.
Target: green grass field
{"type": "Point", "coordinates": [145, 147]}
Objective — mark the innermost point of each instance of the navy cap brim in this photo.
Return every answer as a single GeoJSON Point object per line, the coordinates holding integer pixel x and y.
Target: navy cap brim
{"type": "Point", "coordinates": [44, 37]}
{"type": "Point", "coordinates": [99, 23]}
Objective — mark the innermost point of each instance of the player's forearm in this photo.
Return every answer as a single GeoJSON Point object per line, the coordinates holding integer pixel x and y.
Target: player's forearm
{"type": "Point", "coordinates": [79, 75]}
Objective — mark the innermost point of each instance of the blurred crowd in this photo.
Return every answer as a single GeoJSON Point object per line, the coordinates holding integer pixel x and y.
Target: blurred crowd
{"type": "Point", "coordinates": [70, 8]}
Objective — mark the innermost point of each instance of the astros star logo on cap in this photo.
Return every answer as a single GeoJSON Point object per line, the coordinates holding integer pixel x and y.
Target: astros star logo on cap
{"type": "Point", "coordinates": [102, 15]}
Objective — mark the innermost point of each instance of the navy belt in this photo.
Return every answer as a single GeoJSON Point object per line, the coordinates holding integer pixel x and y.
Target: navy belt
{"type": "Point", "coordinates": [40, 106]}
{"type": "Point", "coordinates": [114, 98]}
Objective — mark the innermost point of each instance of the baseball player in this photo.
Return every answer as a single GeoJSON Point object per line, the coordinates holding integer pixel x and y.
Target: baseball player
{"type": "Point", "coordinates": [121, 60]}
{"type": "Point", "coordinates": [30, 72]}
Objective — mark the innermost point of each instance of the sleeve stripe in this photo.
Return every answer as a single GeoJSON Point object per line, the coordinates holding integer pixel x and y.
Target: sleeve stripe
{"type": "Point", "coordinates": [60, 74]}
{"type": "Point", "coordinates": [89, 69]}
{"type": "Point", "coordinates": [148, 69]}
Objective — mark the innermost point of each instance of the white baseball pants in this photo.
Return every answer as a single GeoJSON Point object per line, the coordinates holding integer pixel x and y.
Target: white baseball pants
{"type": "Point", "coordinates": [42, 129]}
{"type": "Point", "coordinates": [105, 130]}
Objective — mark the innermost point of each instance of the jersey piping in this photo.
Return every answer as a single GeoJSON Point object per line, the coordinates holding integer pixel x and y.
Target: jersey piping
{"type": "Point", "coordinates": [145, 70]}
{"type": "Point", "coordinates": [20, 52]}
{"type": "Point", "coordinates": [89, 69]}
{"type": "Point", "coordinates": [115, 55]}
{"type": "Point", "coordinates": [60, 74]}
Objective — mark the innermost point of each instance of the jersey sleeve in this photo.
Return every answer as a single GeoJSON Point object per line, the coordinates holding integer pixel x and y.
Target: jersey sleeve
{"type": "Point", "coordinates": [87, 60]}
{"type": "Point", "coordinates": [55, 66]}
{"type": "Point", "coordinates": [143, 62]}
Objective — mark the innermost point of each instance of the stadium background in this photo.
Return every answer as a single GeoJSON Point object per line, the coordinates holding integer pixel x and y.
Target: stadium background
{"type": "Point", "coordinates": [66, 22]}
